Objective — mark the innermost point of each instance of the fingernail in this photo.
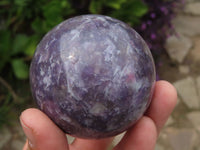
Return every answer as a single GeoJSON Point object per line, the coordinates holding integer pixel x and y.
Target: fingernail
{"type": "Point", "coordinates": [29, 134]}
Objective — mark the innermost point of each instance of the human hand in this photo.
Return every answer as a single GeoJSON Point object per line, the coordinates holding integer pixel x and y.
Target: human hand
{"type": "Point", "coordinates": [43, 134]}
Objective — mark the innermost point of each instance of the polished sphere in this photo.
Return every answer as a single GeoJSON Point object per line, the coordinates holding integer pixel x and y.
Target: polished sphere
{"type": "Point", "coordinates": [93, 76]}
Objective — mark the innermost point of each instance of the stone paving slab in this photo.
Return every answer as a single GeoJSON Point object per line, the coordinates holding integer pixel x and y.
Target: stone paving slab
{"type": "Point", "coordinates": [198, 85]}
{"type": "Point", "coordinates": [70, 139]}
{"type": "Point", "coordinates": [187, 90]}
{"type": "Point", "coordinates": [5, 136]}
{"type": "Point", "coordinates": [195, 51]}
{"type": "Point", "coordinates": [187, 25]}
{"type": "Point", "coordinates": [17, 145]}
{"type": "Point", "coordinates": [118, 138]}
{"type": "Point", "coordinates": [193, 8]}
{"type": "Point", "coordinates": [184, 69]}
{"type": "Point", "coordinates": [194, 118]}
{"type": "Point", "coordinates": [159, 147]}
{"type": "Point", "coordinates": [181, 139]}
{"type": "Point", "coordinates": [178, 47]}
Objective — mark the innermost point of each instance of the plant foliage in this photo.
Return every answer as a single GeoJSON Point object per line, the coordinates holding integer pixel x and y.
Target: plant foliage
{"type": "Point", "coordinates": [156, 25]}
{"type": "Point", "coordinates": [24, 22]}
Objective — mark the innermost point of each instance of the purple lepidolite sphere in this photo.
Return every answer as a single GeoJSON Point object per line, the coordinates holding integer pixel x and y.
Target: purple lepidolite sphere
{"type": "Point", "coordinates": [93, 76]}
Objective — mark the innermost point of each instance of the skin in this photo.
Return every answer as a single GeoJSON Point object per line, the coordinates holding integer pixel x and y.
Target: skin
{"type": "Point", "coordinates": [42, 133]}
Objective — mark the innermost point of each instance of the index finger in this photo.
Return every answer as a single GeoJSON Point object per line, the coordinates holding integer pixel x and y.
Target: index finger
{"type": "Point", "coordinates": [163, 103]}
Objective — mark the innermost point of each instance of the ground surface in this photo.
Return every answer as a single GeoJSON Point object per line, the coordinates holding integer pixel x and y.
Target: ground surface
{"type": "Point", "coordinates": [181, 67]}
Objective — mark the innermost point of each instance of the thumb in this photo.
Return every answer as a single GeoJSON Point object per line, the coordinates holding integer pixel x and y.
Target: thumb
{"type": "Point", "coordinates": [41, 132]}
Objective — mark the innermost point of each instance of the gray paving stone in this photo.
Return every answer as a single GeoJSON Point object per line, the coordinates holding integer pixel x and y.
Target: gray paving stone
{"type": "Point", "coordinates": [70, 139]}
{"type": "Point", "coordinates": [194, 118]}
{"type": "Point", "coordinates": [184, 69]}
{"type": "Point", "coordinates": [193, 8]}
{"type": "Point", "coordinates": [18, 129]}
{"type": "Point", "coordinates": [189, 1]}
{"type": "Point", "coordinates": [198, 85]}
{"type": "Point", "coordinates": [187, 25]}
{"type": "Point", "coordinates": [159, 147]}
{"type": "Point", "coordinates": [17, 145]}
{"type": "Point", "coordinates": [178, 47]}
{"type": "Point", "coordinates": [181, 139]}
{"type": "Point", "coordinates": [195, 51]}
{"type": "Point", "coordinates": [118, 138]}
{"type": "Point", "coordinates": [5, 136]}
{"type": "Point", "coordinates": [187, 91]}
{"type": "Point", "coordinates": [169, 121]}
{"type": "Point", "coordinates": [178, 101]}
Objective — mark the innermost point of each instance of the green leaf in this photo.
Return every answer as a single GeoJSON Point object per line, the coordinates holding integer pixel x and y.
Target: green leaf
{"type": "Point", "coordinates": [5, 41]}
{"type": "Point", "coordinates": [4, 3]}
{"type": "Point", "coordinates": [20, 68]}
{"type": "Point", "coordinates": [5, 109]}
{"type": "Point", "coordinates": [19, 44]}
{"type": "Point", "coordinates": [139, 9]}
{"type": "Point", "coordinates": [95, 6]}
{"type": "Point", "coordinates": [52, 11]}
{"type": "Point", "coordinates": [21, 2]}
{"type": "Point", "coordinates": [116, 4]}
{"type": "Point", "coordinates": [130, 11]}
{"type": "Point", "coordinates": [66, 8]}
{"type": "Point", "coordinates": [31, 47]}
{"type": "Point", "coordinates": [37, 26]}
{"type": "Point", "coordinates": [5, 47]}
{"type": "Point", "coordinates": [65, 4]}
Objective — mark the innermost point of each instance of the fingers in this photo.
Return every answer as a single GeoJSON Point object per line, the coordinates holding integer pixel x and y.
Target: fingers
{"type": "Point", "coordinates": [85, 144]}
{"type": "Point", "coordinates": [142, 136]}
{"type": "Point", "coordinates": [41, 132]}
{"type": "Point", "coordinates": [163, 103]}
{"type": "Point", "coordinates": [26, 147]}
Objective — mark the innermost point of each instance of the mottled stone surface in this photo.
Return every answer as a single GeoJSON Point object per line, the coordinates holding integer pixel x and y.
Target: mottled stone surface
{"type": "Point", "coordinates": [188, 93]}
{"type": "Point", "coordinates": [17, 145]}
{"type": "Point", "coordinates": [5, 136]}
{"type": "Point", "coordinates": [159, 147]}
{"type": "Point", "coordinates": [181, 139]}
{"type": "Point", "coordinates": [178, 47]}
{"type": "Point", "coordinates": [70, 139]}
{"type": "Point", "coordinates": [194, 118]}
{"type": "Point", "coordinates": [195, 51]}
{"type": "Point", "coordinates": [118, 138]}
{"type": "Point", "coordinates": [183, 69]}
{"type": "Point", "coordinates": [93, 76]}
{"type": "Point", "coordinates": [198, 85]}
{"type": "Point", "coordinates": [187, 25]}
{"type": "Point", "coordinates": [193, 8]}
{"type": "Point", "coordinates": [169, 122]}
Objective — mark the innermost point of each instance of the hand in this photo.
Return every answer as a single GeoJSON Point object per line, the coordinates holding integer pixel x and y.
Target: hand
{"type": "Point", "coordinates": [43, 134]}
